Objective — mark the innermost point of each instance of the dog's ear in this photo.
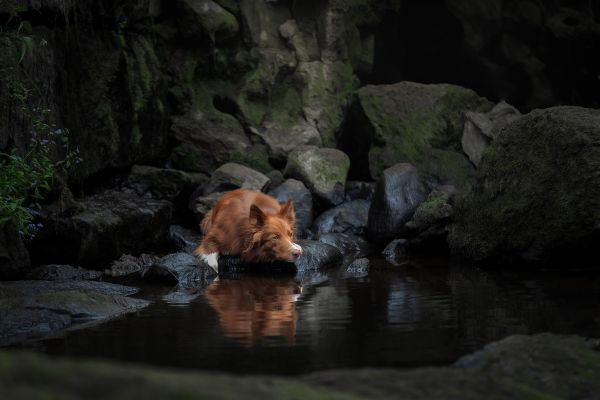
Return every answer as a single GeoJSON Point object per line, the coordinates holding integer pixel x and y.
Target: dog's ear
{"type": "Point", "coordinates": [257, 217]}
{"type": "Point", "coordinates": [287, 212]}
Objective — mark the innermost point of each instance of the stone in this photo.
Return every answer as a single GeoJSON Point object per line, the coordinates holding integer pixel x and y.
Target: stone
{"type": "Point", "coordinates": [410, 122]}
{"type": "Point", "coordinates": [208, 16]}
{"type": "Point", "coordinates": [481, 128]}
{"type": "Point", "coordinates": [183, 269]}
{"type": "Point", "coordinates": [322, 170]}
{"type": "Point", "coordinates": [396, 252]}
{"type": "Point", "coordinates": [14, 257]}
{"type": "Point", "coordinates": [105, 226]}
{"type": "Point", "coordinates": [348, 217]}
{"type": "Point", "coordinates": [201, 205]}
{"type": "Point", "coordinates": [359, 190]}
{"type": "Point", "coordinates": [207, 141]}
{"type": "Point", "coordinates": [37, 309]}
{"type": "Point", "coordinates": [536, 200]}
{"type": "Point", "coordinates": [433, 216]}
{"type": "Point", "coordinates": [262, 20]}
{"type": "Point", "coordinates": [350, 246]}
{"type": "Point", "coordinates": [276, 178]}
{"type": "Point", "coordinates": [233, 176]}
{"type": "Point", "coordinates": [56, 272]}
{"type": "Point", "coordinates": [163, 183]}
{"type": "Point", "coordinates": [128, 265]}
{"type": "Point", "coordinates": [281, 139]}
{"type": "Point", "coordinates": [358, 268]}
{"type": "Point", "coordinates": [183, 239]}
{"type": "Point", "coordinates": [398, 193]}
{"type": "Point", "coordinates": [302, 199]}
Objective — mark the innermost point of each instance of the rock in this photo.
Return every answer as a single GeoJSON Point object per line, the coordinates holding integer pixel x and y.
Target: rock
{"type": "Point", "coordinates": [536, 200]}
{"type": "Point", "coordinates": [207, 140]}
{"type": "Point", "coordinates": [105, 226]}
{"type": "Point", "coordinates": [232, 176]}
{"type": "Point", "coordinates": [208, 17]}
{"type": "Point", "coordinates": [163, 183]}
{"type": "Point", "coordinates": [282, 138]}
{"type": "Point", "coordinates": [302, 199]}
{"type": "Point", "coordinates": [322, 170]}
{"type": "Point", "coordinates": [561, 365]}
{"type": "Point", "coordinates": [128, 265]}
{"type": "Point", "coordinates": [351, 246]}
{"type": "Point", "coordinates": [203, 204]}
{"type": "Point", "coordinates": [349, 217]}
{"type": "Point", "coordinates": [36, 309]}
{"type": "Point", "coordinates": [262, 20]}
{"type": "Point", "coordinates": [181, 268]}
{"type": "Point", "coordinates": [358, 190]}
{"type": "Point", "coordinates": [183, 239]}
{"type": "Point", "coordinates": [14, 257]}
{"type": "Point", "coordinates": [432, 217]}
{"type": "Point", "coordinates": [481, 128]}
{"type": "Point", "coordinates": [398, 193]}
{"type": "Point", "coordinates": [359, 268]}
{"type": "Point", "coordinates": [275, 179]}
{"type": "Point", "coordinates": [411, 123]}
{"type": "Point", "coordinates": [396, 252]}
{"type": "Point", "coordinates": [62, 273]}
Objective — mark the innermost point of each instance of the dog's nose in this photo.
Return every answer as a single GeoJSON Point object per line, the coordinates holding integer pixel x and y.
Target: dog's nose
{"type": "Point", "coordinates": [296, 250]}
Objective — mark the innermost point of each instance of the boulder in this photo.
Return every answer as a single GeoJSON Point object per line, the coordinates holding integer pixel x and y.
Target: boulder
{"type": "Point", "coordinates": [398, 193]}
{"type": "Point", "coordinates": [182, 269]}
{"type": "Point", "coordinates": [282, 138]}
{"type": "Point", "coordinates": [302, 199]}
{"type": "Point", "coordinates": [201, 205]}
{"type": "Point", "coordinates": [232, 176]}
{"type": "Point", "coordinates": [206, 17]}
{"type": "Point", "coordinates": [411, 123]}
{"type": "Point", "coordinates": [322, 170]}
{"type": "Point", "coordinates": [37, 309]}
{"type": "Point", "coordinates": [104, 226]}
{"type": "Point", "coordinates": [433, 216]}
{"type": "Point", "coordinates": [358, 268]}
{"type": "Point", "coordinates": [207, 140]}
{"type": "Point", "coordinates": [276, 178]}
{"type": "Point", "coordinates": [56, 272]}
{"type": "Point", "coordinates": [359, 190]}
{"type": "Point", "coordinates": [396, 252]}
{"type": "Point", "coordinates": [163, 183]}
{"type": "Point", "coordinates": [183, 239]}
{"type": "Point", "coordinates": [128, 265]}
{"type": "Point", "coordinates": [348, 217]}
{"type": "Point", "coordinates": [14, 257]}
{"type": "Point", "coordinates": [350, 246]}
{"type": "Point", "coordinates": [537, 196]}
{"type": "Point", "coordinates": [481, 128]}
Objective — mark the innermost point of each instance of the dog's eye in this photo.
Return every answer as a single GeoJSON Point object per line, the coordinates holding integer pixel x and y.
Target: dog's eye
{"type": "Point", "coordinates": [275, 237]}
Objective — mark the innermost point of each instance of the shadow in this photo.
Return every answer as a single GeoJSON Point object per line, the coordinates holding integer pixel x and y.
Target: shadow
{"type": "Point", "coordinates": [255, 307]}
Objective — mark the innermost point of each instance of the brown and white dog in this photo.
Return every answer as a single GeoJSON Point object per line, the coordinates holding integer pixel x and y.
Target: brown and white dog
{"type": "Point", "coordinates": [251, 225]}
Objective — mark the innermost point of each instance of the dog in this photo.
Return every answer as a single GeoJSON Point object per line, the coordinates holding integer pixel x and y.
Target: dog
{"type": "Point", "coordinates": [251, 225]}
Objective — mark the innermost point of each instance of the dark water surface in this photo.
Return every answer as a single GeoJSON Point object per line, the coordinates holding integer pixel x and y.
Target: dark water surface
{"type": "Point", "coordinates": [428, 314]}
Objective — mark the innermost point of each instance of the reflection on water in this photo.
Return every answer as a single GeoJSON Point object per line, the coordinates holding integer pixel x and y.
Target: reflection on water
{"type": "Point", "coordinates": [254, 308]}
{"type": "Point", "coordinates": [395, 317]}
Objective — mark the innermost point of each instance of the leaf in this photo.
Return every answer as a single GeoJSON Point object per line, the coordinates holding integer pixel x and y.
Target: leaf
{"type": "Point", "coordinates": [26, 47]}
{"type": "Point", "coordinates": [26, 27]}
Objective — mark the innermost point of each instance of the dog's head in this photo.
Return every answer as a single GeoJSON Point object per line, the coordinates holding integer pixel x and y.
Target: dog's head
{"type": "Point", "coordinates": [273, 234]}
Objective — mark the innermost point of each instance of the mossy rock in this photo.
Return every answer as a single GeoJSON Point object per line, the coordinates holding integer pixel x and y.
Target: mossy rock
{"type": "Point", "coordinates": [213, 20]}
{"type": "Point", "coordinates": [537, 195]}
{"type": "Point", "coordinates": [411, 122]}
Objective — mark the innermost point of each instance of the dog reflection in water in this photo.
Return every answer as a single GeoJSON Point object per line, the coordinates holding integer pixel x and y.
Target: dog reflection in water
{"type": "Point", "coordinates": [254, 308]}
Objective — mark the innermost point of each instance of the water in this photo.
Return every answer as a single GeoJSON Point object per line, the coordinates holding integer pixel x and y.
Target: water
{"type": "Point", "coordinates": [427, 314]}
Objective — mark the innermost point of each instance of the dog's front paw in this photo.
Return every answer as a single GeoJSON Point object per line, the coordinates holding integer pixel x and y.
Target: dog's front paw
{"type": "Point", "coordinates": [212, 260]}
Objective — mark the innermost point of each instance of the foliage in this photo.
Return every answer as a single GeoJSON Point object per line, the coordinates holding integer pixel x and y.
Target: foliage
{"type": "Point", "coordinates": [27, 175]}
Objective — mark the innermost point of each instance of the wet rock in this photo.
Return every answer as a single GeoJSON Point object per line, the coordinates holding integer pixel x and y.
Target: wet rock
{"type": "Point", "coordinates": [411, 123]}
{"type": "Point", "coordinates": [56, 272]}
{"type": "Point", "coordinates": [14, 257]}
{"type": "Point", "coordinates": [206, 17]}
{"type": "Point", "coordinates": [104, 226]}
{"type": "Point", "coordinates": [398, 193]}
{"type": "Point", "coordinates": [128, 265]}
{"type": "Point", "coordinates": [359, 190]}
{"type": "Point", "coordinates": [433, 216]}
{"type": "Point", "coordinates": [481, 128]}
{"type": "Point", "coordinates": [183, 269]}
{"type": "Point", "coordinates": [536, 199]}
{"type": "Point", "coordinates": [303, 202]}
{"type": "Point", "coordinates": [163, 183]}
{"type": "Point", "coordinates": [358, 268]}
{"type": "Point", "coordinates": [322, 170]}
{"type": "Point", "coordinates": [201, 205]}
{"type": "Point", "coordinates": [396, 252]}
{"type": "Point", "coordinates": [207, 140]}
{"type": "Point", "coordinates": [349, 217]}
{"type": "Point", "coordinates": [351, 246]}
{"type": "Point", "coordinates": [184, 239]}
{"type": "Point", "coordinates": [35, 309]}
{"type": "Point", "coordinates": [232, 176]}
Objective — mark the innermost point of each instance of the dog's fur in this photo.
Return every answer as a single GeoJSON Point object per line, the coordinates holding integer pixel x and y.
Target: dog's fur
{"type": "Point", "coordinates": [251, 225]}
